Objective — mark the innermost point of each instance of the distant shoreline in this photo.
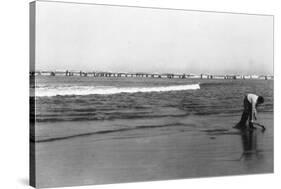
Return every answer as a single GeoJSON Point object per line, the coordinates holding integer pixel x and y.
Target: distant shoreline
{"type": "Point", "coordinates": [150, 75]}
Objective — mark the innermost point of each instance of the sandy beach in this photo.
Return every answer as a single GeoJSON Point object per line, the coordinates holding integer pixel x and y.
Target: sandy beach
{"type": "Point", "coordinates": [203, 146]}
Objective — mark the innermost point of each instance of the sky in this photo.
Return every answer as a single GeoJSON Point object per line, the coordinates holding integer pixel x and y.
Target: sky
{"type": "Point", "coordinates": [128, 39]}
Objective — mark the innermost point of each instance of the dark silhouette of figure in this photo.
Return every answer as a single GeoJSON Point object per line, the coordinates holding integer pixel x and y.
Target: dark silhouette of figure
{"type": "Point", "coordinates": [251, 102]}
{"type": "Point", "coordinates": [249, 144]}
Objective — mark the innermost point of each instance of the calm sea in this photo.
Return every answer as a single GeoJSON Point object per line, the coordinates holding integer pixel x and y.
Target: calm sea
{"type": "Point", "coordinates": [149, 101]}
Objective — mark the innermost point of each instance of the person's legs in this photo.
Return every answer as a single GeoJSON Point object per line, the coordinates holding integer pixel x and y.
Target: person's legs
{"type": "Point", "coordinates": [245, 115]}
{"type": "Point", "coordinates": [251, 125]}
{"type": "Point", "coordinates": [244, 118]}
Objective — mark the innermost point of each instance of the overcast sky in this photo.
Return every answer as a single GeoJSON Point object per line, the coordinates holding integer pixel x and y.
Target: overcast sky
{"type": "Point", "coordinates": [126, 39]}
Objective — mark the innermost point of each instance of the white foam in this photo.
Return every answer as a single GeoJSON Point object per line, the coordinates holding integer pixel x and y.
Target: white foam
{"type": "Point", "coordinates": [87, 90]}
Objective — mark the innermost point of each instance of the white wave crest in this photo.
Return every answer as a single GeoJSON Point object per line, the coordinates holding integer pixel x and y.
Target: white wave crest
{"type": "Point", "coordinates": [88, 90]}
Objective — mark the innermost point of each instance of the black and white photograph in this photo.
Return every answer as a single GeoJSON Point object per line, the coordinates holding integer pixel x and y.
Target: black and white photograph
{"type": "Point", "coordinates": [123, 94]}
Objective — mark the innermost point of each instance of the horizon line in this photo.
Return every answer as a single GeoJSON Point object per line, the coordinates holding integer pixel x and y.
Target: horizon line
{"type": "Point", "coordinates": [175, 73]}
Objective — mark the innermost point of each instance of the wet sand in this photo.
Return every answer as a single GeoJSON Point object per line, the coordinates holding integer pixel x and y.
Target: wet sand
{"type": "Point", "coordinates": [204, 146]}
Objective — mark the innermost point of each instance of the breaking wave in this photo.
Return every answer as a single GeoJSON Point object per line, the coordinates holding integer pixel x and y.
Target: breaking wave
{"type": "Point", "coordinates": [103, 90]}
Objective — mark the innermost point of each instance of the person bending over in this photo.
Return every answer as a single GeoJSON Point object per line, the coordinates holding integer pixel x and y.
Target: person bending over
{"type": "Point", "coordinates": [251, 102]}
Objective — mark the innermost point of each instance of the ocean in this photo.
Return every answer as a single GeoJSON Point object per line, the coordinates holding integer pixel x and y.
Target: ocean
{"type": "Point", "coordinates": [122, 104]}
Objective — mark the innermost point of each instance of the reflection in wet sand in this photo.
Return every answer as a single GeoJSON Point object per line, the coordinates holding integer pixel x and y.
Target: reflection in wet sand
{"type": "Point", "coordinates": [249, 144]}
{"type": "Point", "coordinates": [249, 141]}
{"type": "Point", "coordinates": [252, 155]}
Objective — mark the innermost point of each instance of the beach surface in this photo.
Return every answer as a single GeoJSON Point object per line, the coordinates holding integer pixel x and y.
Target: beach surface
{"type": "Point", "coordinates": [196, 146]}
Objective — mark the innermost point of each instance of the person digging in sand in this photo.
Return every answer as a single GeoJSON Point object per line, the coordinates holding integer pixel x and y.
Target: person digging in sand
{"type": "Point", "coordinates": [251, 102]}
